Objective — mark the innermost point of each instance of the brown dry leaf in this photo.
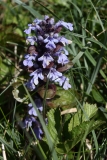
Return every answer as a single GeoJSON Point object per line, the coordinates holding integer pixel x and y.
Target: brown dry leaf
{"type": "Point", "coordinates": [71, 110]}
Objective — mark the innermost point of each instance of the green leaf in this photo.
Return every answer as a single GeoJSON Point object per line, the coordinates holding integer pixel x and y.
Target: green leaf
{"type": "Point", "coordinates": [66, 121]}
{"type": "Point", "coordinates": [79, 55]}
{"type": "Point", "coordinates": [77, 8]}
{"type": "Point", "coordinates": [5, 70]}
{"type": "Point", "coordinates": [63, 98]}
{"type": "Point", "coordinates": [60, 148]}
{"type": "Point", "coordinates": [6, 144]}
{"type": "Point", "coordinates": [76, 135]}
{"type": "Point", "coordinates": [82, 130]}
{"type": "Point", "coordinates": [79, 117]}
{"type": "Point", "coordinates": [63, 148]}
{"type": "Point", "coordinates": [90, 110]}
{"type": "Point", "coordinates": [97, 96]}
{"type": "Point", "coordinates": [31, 10]}
{"type": "Point", "coordinates": [97, 42]}
{"type": "Point", "coordinates": [54, 124]}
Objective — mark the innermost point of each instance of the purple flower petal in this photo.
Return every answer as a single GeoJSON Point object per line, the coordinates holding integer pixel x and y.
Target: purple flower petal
{"type": "Point", "coordinates": [40, 38]}
{"type": "Point", "coordinates": [28, 61]}
{"type": "Point", "coordinates": [26, 56]}
{"type": "Point", "coordinates": [27, 31]}
{"type": "Point", "coordinates": [56, 36]}
{"type": "Point", "coordinates": [30, 105]}
{"type": "Point", "coordinates": [65, 51]}
{"type": "Point", "coordinates": [30, 64]}
{"type": "Point", "coordinates": [64, 24]}
{"type": "Point", "coordinates": [62, 59]}
{"type": "Point", "coordinates": [60, 80]}
{"type": "Point", "coordinates": [63, 81]}
{"type": "Point", "coordinates": [31, 39]}
{"type": "Point", "coordinates": [35, 80]}
{"type": "Point", "coordinates": [53, 74]}
{"type": "Point", "coordinates": [25, 62]}
{"type": "Point", "coordinates": [51, 21]}
{"type": "Point", "coordinates": [50, 45]}
{"type": "Point", "coordinates": [31, 27]}
{"type": "Point", "coordinates": [50, 40]}
{"type": "Point", "coordinates": [31, 57]}
{"type": "Point", "coordinates": [66, 85]}
{"type": "Point", "coordinates": [37, 74]}
{"type": "Point", "coordinates": [64, 41]}
{"type": "Point", "coordinates": [30, 85]}
{"type": "Point", "coordinates": [39, 104]}
{"type": "Point", "coordinates": [37, 21]}
{"type": "Point", "coordinates": [28, 122]}
{"type": "Point", "coordinates": [38, 132]}
{"type": "Point", "coordinates": [46, 58]}
{"type": "Point", "coordinates": [32, 111]}
{"type": "Point", "coordinates": [46, 17]}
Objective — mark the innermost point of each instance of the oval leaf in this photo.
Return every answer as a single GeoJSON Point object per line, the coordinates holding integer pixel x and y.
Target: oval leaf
{"type": "Point", "coordinates": [49, 93]}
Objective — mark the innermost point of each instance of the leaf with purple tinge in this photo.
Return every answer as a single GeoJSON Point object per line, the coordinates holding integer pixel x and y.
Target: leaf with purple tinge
{"type": "Point", "coordinates": [50, 92]}
{"type": "Point", "coordinates": [65, 67]}
{"type": "Point", "coordinates": [63, 98]}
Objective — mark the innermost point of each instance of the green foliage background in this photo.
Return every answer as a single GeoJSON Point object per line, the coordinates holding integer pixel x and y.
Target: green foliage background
{"type": "Point", "coordinates": [65, 135]}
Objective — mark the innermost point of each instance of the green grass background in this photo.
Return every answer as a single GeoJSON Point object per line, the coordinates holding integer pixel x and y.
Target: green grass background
{"type": "Point", "coordinates": [77, 138]}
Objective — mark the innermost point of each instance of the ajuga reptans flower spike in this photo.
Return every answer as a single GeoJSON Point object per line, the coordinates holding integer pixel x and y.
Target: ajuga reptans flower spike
{"type": "Point", "coordinates": [46, 52]}
{"type": "Point", "coordinates": [45, 56]}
